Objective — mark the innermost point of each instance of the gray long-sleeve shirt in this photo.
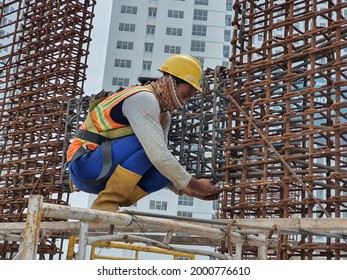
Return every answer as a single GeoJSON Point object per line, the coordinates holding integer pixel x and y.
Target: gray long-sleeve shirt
{"type": "Point", "coordinates": [143, 113]}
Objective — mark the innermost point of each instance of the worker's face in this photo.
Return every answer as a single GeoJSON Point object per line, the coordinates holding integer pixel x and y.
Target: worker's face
{"type": "Point", "coordinates": [185, 91]}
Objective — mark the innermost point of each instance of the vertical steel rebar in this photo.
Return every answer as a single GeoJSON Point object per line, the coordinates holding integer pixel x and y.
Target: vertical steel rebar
{"type": "Point", "coordinates": [43, 55]}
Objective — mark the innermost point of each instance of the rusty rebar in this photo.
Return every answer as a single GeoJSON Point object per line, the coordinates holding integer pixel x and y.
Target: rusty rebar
{"type": "Point", "coordinates": [44, 48]}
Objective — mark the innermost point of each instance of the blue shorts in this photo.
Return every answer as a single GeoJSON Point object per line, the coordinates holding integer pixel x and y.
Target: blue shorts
{"type": "Point", "coordinates": [127, 152]}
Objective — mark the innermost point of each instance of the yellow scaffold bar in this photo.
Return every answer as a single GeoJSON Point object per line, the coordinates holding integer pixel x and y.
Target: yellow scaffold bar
{"type": "Point", "coordinates": [137, 249]}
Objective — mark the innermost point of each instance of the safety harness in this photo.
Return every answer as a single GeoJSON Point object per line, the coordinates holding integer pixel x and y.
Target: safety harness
{"type": "Point", "coordinates": [91, 134]}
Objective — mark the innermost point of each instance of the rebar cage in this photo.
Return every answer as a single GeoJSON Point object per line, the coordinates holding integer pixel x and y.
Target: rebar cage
{"type": "Point", "coordinates": [44, 48]}
{"type": "Point", "coordinates": [284, 130]}
{"type": "Point", "coordinates": [271, 129]}
{"type": "Point", "coordinates": [288, 71]}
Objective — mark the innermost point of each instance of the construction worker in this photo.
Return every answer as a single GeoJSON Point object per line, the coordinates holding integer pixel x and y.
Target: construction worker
{"type": "Point", "coordinates": [120, 152]}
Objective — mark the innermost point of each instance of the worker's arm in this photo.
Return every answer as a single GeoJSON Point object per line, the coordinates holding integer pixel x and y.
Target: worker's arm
{"type": "Point", "coordinates": [143, 113]}
{"type": "Point", "coordinates": [201, 188]}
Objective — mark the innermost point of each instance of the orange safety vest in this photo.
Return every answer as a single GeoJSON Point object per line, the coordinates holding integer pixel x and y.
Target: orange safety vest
{"type": "Point", "coordinates": [99, 125]}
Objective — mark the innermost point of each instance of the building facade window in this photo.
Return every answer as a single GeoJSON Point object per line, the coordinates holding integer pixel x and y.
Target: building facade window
{"type": "Point", "coordinates": [227, 35]}
{"type": "Point", "coordinates": [228, 20]}
{"type": "Point", "coordinates": [127, 27]}
{"type": "Point", "coordinates": [149, 47]}
{"type": "Point", "coordinates": [128, 9]}
{"type": "Point", "coordinates": [5, 49]}
{"type": "Point", "coordinates": [322, 60]}
{"type": "Point", "coordinates": [229, 5]}
{"type": "Point", "coordinates": [184, 214]}
{"type": "Point", "coordinates": [199, 30]}
{"type": "Point", "coordinates": [201, 2]}
{"type": "Point", "coordinates": [146, 65]}
{"type": "Point", "coordinates": [201, 59]}
{"type": "Point", "coordinates": [215, 205]}
{"type": "Point", "coordinates": [123, 63]}
{"type": "Point", "coordinates": [198, 46]}
{"type": "Point", "coordinates": [125, 45]}
{"type": "Point", "coordinates": [152, 12]}
{"type": "Point", "coordinates": [226, 51]}
{"type": "Point", "coordinates": [175, 14]}
{"type": "Point", "coordinates": [200, 15]}
{"type": "Point", "coordinates": [172, 49]}
{"type": "Point", "coordinates": [280, 28]}
{"type": "Point", "coordinates": [150, 30]}
{"type": "Point", "coordinates": [158, 205]}
{"type": "Point", "coordinates": [185, 200]}
{"type": "Point", "coordinates": [174, 31]}
{"type": "Point", "coordinates": [120, 82]}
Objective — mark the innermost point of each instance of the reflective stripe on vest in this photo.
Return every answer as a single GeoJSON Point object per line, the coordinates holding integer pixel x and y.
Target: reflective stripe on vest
{"type": "Point", "coordinates": [99, 120]}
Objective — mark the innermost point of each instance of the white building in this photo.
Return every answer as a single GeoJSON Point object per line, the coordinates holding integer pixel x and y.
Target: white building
{"type": "Point", "coordinates": [7, 27]}
{"type": "Point", "coordinates": [143, 33]}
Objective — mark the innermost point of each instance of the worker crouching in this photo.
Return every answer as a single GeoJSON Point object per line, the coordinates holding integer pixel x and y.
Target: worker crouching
{"type": "Point", "coordinates": [120, 152]}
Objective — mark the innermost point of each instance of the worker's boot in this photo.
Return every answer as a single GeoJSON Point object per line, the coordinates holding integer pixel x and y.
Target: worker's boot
{"type": "Point", "coordinates": [118, 189]}
{"type": "Point", "coordinates": [136, 195]}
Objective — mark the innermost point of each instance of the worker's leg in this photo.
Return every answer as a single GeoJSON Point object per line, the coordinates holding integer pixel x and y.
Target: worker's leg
{"type": "Point", "coordinates": [130, 163]}
{"type": "Point", "coordinates": [136, 178]}
{"type": "Point", "coordinates": [117, 190]}
{"type": "Point", "coordinates": [126, 151]}
{"type": "Point", "coordinates": [151, 181]}
{"type": "Point", "coordinates": [121, 184]}
{"type": "Point", "coordinates": [124, 187]}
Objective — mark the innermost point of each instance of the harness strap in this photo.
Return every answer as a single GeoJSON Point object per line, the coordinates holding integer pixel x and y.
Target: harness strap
{"type": "Point", "coordinates": [106, 152]}
{"type": "Point", "coordinates": [80, 152]}
{"type": "Point", "coordinates": [90, 136]}
{"type": "Point", "coordinates": [103, 138]}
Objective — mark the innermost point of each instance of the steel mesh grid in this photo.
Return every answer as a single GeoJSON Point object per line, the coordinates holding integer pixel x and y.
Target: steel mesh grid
{"type": "Point", "coordinates": [44, 48]}
{"type": "Point", "coordinates": [286, 151]}
{"type": "Point", "coordinates": [267, 197]}
{"type": "Point", "coordinates": [198, 132]}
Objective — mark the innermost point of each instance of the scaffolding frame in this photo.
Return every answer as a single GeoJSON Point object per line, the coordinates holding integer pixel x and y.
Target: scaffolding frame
{"type": "Point", "coordinates": [93, 226]}
{"type": "Point", "coordinates": [271, 130]}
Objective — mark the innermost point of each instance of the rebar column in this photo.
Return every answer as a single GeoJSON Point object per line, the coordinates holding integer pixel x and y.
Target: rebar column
{"type": "Point", "coordinates": [197, 136]}
{"type": "Point", "coordinates": [43, 59]}
{"type": "Point", "coordinates": [288, 74]}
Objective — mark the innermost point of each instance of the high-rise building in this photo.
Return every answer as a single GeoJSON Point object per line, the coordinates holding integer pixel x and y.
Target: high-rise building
{"type": "Point", "coordinates": [144, 33]}
{"type": "Point", "coordinates": [7, 17]}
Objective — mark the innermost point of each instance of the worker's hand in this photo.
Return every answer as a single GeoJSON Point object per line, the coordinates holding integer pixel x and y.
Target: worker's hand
{"type": "Point", "coordinates": [202, 189]}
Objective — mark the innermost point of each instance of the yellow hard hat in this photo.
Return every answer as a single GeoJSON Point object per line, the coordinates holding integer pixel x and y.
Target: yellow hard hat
{"type": "Point", "coordinates": [185, 67]}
